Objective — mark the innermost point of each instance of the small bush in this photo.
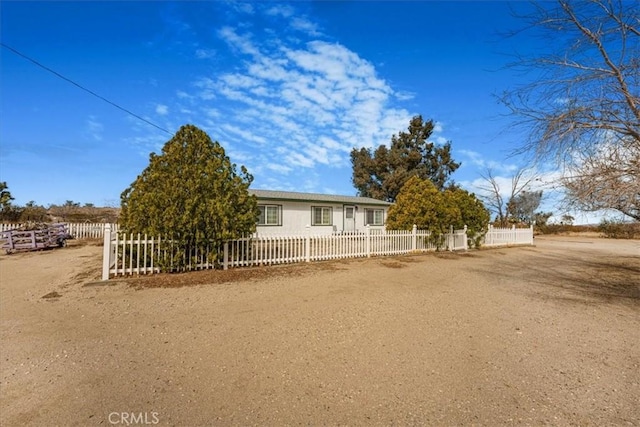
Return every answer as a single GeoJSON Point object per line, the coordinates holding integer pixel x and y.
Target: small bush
{"type": "Point", "coordinates": [616, 229]}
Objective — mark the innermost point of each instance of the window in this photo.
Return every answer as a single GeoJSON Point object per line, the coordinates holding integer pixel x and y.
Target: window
{"type": "Point", "coordinates": [270, 215]}
{"type": "Point", "coordinates": [374, 217]}
{"type": "Point", "coordinates": [321, 215]}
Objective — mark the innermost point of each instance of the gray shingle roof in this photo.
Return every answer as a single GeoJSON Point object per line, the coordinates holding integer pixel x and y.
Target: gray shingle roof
{"type": "Point", "coordinates": [315, 197]}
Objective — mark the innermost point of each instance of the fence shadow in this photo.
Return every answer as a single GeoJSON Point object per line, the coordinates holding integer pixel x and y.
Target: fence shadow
{"type": "Point", "coordinates": [574, 278]}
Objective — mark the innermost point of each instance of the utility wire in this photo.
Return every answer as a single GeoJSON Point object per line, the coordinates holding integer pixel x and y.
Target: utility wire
{"type": "Point", "coordinates": [82, 87]}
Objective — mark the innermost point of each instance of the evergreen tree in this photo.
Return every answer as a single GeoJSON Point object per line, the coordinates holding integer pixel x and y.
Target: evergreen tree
{"type": "Point", "coordinates": [420, 203]}
{"type": "Point", "coordinates": [191, 193]}
{"type": "Point", "coordinates": [5, 196]}
{"type": "Point", "coordinates": [382, 174]}
{"type": "Point", "coordinates": [473, 213]}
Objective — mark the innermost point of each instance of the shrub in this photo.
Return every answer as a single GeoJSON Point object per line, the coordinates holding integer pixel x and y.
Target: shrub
{"type": "Point", "coordinates": [616, 229]}
{"type": "Point", "coordinates": [191, 194]}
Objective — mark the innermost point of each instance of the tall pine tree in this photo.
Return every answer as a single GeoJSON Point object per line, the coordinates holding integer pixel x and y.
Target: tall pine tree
{"type": "Point", "coordinates": [382, 174]}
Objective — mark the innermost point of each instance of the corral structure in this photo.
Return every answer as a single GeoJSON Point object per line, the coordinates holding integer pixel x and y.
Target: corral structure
{"type": "Point", "coordinates": [36, 237]}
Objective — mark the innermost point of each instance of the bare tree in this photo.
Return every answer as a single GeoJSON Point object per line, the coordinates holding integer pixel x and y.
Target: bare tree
{"type": "Point", "coordinates": [585, 95]}
{"type": "Point", "coordinates": [607, 178]}
{"type": "Point", "coordinates": [494, 196]}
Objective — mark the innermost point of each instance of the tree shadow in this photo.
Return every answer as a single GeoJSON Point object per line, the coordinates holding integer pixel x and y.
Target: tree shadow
{"type": "Point", "coordinates": [572, 277]}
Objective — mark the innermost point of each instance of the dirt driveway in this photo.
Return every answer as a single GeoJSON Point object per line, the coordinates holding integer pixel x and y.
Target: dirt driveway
{"type": "Point", "coordinates": [530, 336]}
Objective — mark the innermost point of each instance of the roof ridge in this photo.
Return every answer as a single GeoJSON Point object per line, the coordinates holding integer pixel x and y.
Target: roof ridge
{"type": "Point", "coordinates": [301, 196]}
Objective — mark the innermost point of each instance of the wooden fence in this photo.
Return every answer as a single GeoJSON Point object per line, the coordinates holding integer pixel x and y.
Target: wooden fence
{"type": "Point", "coordinates": [49, 236]}
{"type": "Point", "coordinates": [140, 254]}
{"type": "Point", "coordinates": [79, 230]}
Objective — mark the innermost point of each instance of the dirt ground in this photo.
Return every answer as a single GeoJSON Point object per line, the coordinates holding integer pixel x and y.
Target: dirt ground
{"type": "Point", "coordinates": [544, 335]}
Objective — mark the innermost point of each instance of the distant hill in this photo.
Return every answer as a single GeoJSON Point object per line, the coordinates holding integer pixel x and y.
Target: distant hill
{"type": "Point", "coordinates": [65, 213]}
{"type": "Point", "coordinates": [83, 214]}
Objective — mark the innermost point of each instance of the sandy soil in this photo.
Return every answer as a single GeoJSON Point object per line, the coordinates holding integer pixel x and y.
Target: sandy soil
{"type": "Point", "coordinates": [530, 336]}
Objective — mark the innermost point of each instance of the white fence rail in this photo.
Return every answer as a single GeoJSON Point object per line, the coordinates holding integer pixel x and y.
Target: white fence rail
{"type": "Point", "coordinates": [138, 254]}
{"type": "Point", "coordinates": [79, 230]}
{"type": "Point", "coordinates": [508, 236]}
{"type": "Point", "coordinates": [287, 249]}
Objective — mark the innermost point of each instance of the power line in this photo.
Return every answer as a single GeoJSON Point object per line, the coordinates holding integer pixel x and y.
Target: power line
{"type": "Point", "coordinates": [82, 87]}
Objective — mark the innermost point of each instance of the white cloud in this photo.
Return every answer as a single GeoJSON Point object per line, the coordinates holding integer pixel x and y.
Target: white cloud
{"type": "Point", "coordinates": [246, 8]}
{"type": "Point", "coordinates": [205, 53]}
{"type": "Point", "coordinates": [241, 43]}
{"type": "Point", "coordinates": [304, 104]}
{"type": "Point", "coordinates": [94, 128]}
{"type": "Point", "coordinates": [280, 10]}
{"type": "Point", "coordinates": [299, 159]}
{"type": "Point", "coordinates": [477, 159]}
{"type": "Point", "coordinates": [239, 81]}
{"type": "Point", "coordinates": [279, 168]}
{"type": "Point", "coordinates": [211, 112]}
{"type": "Point", "coordinates": [162, 110]}
{"type": "Point", "coordinates": [404, 95]}
{"type": "Point", "coordinates": [304, 25]}
{"type": "Point", "coordinates": [246, 135]}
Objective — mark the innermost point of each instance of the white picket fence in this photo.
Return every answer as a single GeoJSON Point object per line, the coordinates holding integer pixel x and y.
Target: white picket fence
{"type": "Point", "coordinates": [141, 254]}
{"type": "Point", "coordinates": [268, 250]}
{"type": "Point", "coordinates": [508, 236]}
{"type": "Point", "coordinates": [79, 230]}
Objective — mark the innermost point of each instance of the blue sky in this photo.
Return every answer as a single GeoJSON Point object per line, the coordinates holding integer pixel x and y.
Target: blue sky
{"type": "Point", "coordinates": [287, 88]}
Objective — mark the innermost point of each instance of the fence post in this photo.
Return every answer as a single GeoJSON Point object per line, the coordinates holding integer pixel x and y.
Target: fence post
{"type": "Point", "coordinates": [225, 256]}
{"type": "Point", "coordinates": [531, 226]}
{"type": "Point", "coordinates": [466, 239]}
{"type": "Point", "coordinates": [367, 245]}
{"type": "Point", "coordinates": [106, 252]}
{"type": "Point", "coordinates": [450, 239]}
{"type": "Point", "coordinates": [414, 238]}
{"type": "Point", "coordinates": [307, 244]}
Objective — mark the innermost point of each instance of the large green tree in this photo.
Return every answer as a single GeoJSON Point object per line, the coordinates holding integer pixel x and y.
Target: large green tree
{"type": "Point", "coordinates": [191, 193]}
{"type": "Point", "coordinates": [473, 213]}
{"type": "Point", "coordinates": [382, 173]}
{"type": "Point", "coordinates": [421, 203]}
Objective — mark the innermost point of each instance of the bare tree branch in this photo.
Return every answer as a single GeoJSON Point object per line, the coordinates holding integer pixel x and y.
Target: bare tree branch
{"type": "Point", "coordinates": [607, 179]}
{"type": "Point", "coordinates": [585, 96]}
{"type": "Point", "coordinates": [492, 194]}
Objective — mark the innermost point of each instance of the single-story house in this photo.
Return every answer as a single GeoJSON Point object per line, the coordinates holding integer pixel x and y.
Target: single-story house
{"type": "Point", "coordinates": [286, 212]}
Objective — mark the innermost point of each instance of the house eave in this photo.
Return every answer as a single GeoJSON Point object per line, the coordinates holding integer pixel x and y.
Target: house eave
{"type": "Point", "coordinates": [290, 196]}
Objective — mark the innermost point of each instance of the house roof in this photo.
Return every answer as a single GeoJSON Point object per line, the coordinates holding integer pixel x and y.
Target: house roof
{"type": "Point", "coordinates": [316, 197]}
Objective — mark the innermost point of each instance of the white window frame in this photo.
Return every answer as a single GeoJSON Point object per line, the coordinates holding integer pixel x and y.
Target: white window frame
{"type": "Point", "coordinates": [323, 209]}
{"type": "Point", "coordinates": [263, 219]}
{"type": "Point", "coordinates": [374, 211]}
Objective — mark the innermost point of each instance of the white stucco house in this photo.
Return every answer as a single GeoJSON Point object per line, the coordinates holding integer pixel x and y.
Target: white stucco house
{"type": "Point", "coordinates": [286, 212]}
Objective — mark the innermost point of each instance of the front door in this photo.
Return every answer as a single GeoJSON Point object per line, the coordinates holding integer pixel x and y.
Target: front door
{"type": "Point", "coordinates": [349, 218]}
